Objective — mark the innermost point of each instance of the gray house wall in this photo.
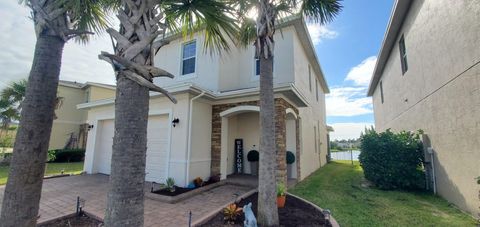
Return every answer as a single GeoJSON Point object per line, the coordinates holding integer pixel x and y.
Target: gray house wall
{"type": "Point", "coordinates": [440, 92]}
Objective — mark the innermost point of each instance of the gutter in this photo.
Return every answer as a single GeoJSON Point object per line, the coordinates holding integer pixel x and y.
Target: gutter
{"type": "Point", "coordinates": [189, 135]}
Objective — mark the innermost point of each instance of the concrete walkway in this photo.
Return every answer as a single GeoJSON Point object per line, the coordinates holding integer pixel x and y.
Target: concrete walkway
{"type": "Point", "coordinates": [59, 197]}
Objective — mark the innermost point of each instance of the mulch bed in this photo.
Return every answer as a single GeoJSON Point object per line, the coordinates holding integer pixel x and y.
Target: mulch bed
{"type": "Point", "coordinates": [75, 221]}
{"type": "Point", "coordinates": [295, 213]}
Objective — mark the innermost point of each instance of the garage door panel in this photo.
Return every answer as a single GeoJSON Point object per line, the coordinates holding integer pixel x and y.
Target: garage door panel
{"type": "Point", "coordinates": [157, 147]}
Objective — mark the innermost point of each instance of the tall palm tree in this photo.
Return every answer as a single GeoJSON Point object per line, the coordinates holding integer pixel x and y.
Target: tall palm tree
{"type": "Point", "coordinates": [56, 22]}
{"type": "Point", "coordinates": [142, 21]}
{"type": "Point", "coordinates": [268, 13]}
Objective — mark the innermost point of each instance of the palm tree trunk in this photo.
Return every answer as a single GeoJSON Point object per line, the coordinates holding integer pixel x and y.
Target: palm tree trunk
{"type": "Point", "coordinates": [127, 179]}
{"type": "Point", "coordinates": [24, 186]}
{"type": "Point", "coordinates": [267, 206]}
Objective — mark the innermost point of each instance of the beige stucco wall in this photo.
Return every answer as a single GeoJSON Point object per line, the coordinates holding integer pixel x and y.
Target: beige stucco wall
{"type": "Point", "coordinates": [69, 118]}
{"type": "Point", "coordinates": [311, 117]}
{"type": "Point", "coordinates": [201, 142]}
{"type": "Point", "coordinates": [439, 93]}
{"type": "Point", "coordinates": [228, 71]}
{"type": "Point", "coordinates": [98, 93]}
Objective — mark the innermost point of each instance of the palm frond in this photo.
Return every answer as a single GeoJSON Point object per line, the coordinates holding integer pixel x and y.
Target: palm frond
{"type": "Point", "coordinates": [89, 15]}
{"type": "Point", "coordinates": [216, 17]}
{"type": "Point", "coordinates": [248, 33]}
{"type": "Point", "coordinates": [321, 11]}
{"type": "Point", "coordinates": [15, 92]}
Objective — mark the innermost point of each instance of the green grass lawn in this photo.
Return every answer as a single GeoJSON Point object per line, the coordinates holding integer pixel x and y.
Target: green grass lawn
{"type": "Point", "coordinates": [52, 169]}
{"type": "Point", "coordinates": [340, 187]}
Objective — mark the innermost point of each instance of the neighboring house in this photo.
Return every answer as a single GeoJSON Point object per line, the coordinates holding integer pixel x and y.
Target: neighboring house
{"type": "Point", "coordinates": [69, 128]}
{"type": "Point", "coordinates": [218, 103]}
{"type": "Point", "coordinates": [428, 77]}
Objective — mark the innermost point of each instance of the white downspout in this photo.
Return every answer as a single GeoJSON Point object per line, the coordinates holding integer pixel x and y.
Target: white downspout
{"type": "Point", "coordinates": [189, 135]}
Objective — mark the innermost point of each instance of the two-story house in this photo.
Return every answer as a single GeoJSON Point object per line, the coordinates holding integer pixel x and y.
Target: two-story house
{"type": "Point", "coordinates": [69, 128]}
{"type": "Point", "coordinates": [218, 104]}
{"type": "Point", "coordinates": [428, 77]}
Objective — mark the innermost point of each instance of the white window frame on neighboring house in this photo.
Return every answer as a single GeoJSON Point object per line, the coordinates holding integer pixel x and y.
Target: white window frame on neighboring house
{"type": "Point", "coordinates": [403, 54]}
{"type": "Point", "coordinates": [381, 92]}
{"type": "Point", "coordinates": [183, 59]}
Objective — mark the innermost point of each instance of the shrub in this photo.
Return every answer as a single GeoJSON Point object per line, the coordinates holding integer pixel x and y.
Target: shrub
{"type": "Point", "coordinates": [392, 160]}
{"type": "Point", "coordinates": [170, 183]}
{"type": "Point", "coordinates": [66, 155]}
{"type": "Point", "coordinates": [290, 157]}
{"type": "Point", "coordinates": [231, 212]}
{"type": "Point", "coordinates": [253, 156]}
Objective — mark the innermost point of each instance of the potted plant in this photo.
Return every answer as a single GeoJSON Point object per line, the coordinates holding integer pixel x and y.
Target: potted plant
{"type": "Point", "coordinates": [281, 195]}
{"type": "Point", "coordinates": [198, 182]}
{"type": "Point", "coordinates": [290, 161]}
{"type": "Point", "coordinates": [253, 157]}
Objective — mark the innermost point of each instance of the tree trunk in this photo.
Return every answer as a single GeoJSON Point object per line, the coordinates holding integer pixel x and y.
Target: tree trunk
{"type": "Point", "coordinates": [127, 178]}
{"type": "Point", "coordinates": [24, 186]}
{"type": "Point", "coordinates": [267, 207]}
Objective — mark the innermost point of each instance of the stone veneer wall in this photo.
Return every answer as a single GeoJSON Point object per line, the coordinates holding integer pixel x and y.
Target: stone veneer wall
{"type": "Point", "coordinates": [280, 136]}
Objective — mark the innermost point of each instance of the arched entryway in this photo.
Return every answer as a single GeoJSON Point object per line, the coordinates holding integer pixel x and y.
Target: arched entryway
{"type": "Point", "coordinates": [240, 126]}
{"type": "Point", "coordinates": [291, 142]}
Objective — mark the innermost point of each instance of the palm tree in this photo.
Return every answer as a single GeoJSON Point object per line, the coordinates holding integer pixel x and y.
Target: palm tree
{"type": "Point", "coordinates": [268, 13]}
{"type": "Point", "coordinates": [142, 21]}
{"type": "Point", "coordinates": [10, 103]}
{"type": "Point", "coordinates": [56, 22]}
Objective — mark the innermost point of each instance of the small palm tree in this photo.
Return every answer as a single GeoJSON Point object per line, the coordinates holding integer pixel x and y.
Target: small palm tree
{"type": "Point", "coordinates": [56, 22]}
{"type": "Point", "coordinates": [142, 21]}
{"type": "Point", "coordinates": [261, 33]}
{"type": "Point", "coordinates": [10, 103]}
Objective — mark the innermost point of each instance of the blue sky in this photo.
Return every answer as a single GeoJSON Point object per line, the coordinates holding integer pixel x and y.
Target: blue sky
{"type": "Point", "coordinates": [347, 55]}
{"type": "Point", "coordinates": [346, 48]}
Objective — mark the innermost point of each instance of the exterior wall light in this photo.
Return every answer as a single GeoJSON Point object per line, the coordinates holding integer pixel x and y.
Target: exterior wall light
{"type": "Point", "coordinates": [175, 122]}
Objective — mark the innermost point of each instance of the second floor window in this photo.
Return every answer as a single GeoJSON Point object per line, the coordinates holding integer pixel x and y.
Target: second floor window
{"type": "Point", "coordinates": [381, 91]}
{"type": "Point", "coordinates": [403, 55]}
{"type": "Point", "coordinates": [189, 57]}
{"type": "Point", "coordinates": [316, 88]}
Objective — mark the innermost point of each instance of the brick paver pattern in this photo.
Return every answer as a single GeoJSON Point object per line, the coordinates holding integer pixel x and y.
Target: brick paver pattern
{"type": "Point", "coordinates": [59, 197]}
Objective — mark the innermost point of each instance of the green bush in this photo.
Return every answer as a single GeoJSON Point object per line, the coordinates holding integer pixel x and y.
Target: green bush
{"type": "Point", "coordinates": [290, 157]}
{"type": "Point", "coordinates": [66, 155]}
{"type": "Point", "coordinates": [253, 156]}
{"type": "Point", "coordinates": [392, 160]}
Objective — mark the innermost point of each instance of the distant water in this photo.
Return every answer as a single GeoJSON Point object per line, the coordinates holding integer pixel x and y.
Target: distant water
{"type": "Point", "coordinates": [345, 155]}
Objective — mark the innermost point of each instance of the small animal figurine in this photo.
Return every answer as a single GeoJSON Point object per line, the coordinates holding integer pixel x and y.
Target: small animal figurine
{"type": "Point", "coordinates": [250, 220]}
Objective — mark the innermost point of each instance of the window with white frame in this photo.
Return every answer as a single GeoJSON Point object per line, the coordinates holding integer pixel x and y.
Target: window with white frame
{"type": "Point", "coordinates": [315, 135]}
{"type": "Point", "coordinates": [316, 88]}
{"type": "Point", "coordinates": [189, 53]}
{"type": "Point", "coordinates": [403, 55]}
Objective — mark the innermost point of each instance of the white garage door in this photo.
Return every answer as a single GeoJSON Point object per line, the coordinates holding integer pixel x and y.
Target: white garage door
{"type": "Point", "coordinates": [157, 147]}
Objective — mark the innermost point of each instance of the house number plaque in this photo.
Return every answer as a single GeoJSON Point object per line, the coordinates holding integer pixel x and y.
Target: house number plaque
{"type": "Point", "coordinates": [238, 155]}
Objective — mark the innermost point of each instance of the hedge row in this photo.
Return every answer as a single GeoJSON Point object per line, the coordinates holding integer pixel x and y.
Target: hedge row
{"type": "Point", "coordinates": [393, 160]}
{"type": "Point", "coordinates": [66, 155]}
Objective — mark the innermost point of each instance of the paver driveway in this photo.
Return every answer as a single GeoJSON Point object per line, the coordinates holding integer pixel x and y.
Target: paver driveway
{"type": "Point", "coordinates": [59, 198]}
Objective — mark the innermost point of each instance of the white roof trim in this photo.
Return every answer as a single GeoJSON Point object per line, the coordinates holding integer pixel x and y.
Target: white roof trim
{"type": "Point", "coordinates": [238, 110]}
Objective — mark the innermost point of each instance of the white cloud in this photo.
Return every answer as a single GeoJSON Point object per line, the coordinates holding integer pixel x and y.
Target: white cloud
{"type": "Point", "coordinates": [362, 73]}
{"type": "Point", "coordinates": [79, 63]}
{"type": "Point", "coordinates": [348, 102]}
{"type": "Point", "coordinates": [348, 130]}
{"type": "Point", "coordinates": [320, 32]}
